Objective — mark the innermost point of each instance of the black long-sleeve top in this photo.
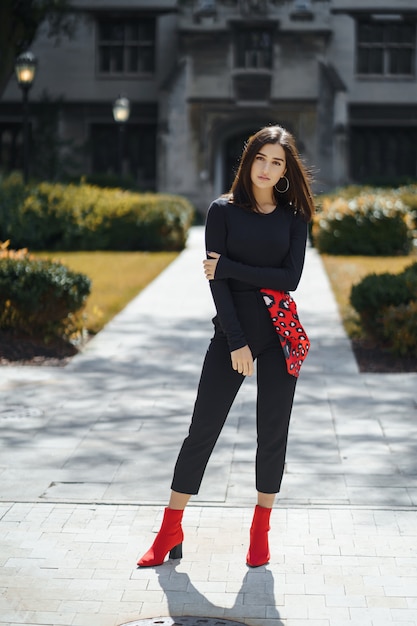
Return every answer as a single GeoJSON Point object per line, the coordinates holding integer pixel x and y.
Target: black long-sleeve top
{"type": "Point", "coordinates": [257, 251]}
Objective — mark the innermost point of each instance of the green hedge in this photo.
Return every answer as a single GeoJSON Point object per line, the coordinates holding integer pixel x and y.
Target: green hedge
{"type": "Point", "coordinates": [387, 306]}
{"type": "Point", "coordinates": [84, 217]}
{"type": "Point", "coordinates": [363, 222]}
{"type": "Point", "coordinates": [408, 195]}
{"type": "Point", "coordinates": [40, 296]}
{"type": "Point", "coordinates": [400, 328]}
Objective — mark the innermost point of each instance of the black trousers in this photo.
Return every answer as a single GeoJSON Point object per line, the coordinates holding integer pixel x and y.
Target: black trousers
{"type": "Point", "coordinates": [219, 384]}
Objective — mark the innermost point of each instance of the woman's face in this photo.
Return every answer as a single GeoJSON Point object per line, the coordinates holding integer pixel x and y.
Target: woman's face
{"type": "Point", "coordinates": [268, 166]}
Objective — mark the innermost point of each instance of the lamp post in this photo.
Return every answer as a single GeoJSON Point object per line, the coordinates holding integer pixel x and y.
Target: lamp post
{"type": "Point", "coordinates": [25, 68]}
{"type": "Point", "coordinates": [121, 113]}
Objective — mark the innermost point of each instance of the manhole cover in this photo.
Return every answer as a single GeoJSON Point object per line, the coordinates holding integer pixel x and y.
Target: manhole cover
{"type": "Point", "coordinates": [17, 411]}
{"type": "Point", "coordinates": [184, 621]}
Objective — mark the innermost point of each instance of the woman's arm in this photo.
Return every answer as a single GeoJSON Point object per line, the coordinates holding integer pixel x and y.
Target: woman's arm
{"type": "Point", "coordinates": [284, 278]}
{"type": "Point", "coordinates": [216, 234]}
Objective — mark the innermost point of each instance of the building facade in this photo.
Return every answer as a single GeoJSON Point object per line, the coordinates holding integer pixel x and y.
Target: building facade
{"type": "Point", "coordinates": [203, 75]}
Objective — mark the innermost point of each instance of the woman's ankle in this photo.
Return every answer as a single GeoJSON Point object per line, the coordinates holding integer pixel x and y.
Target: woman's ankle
{"type": "Point", "coordinates": [178, 501]}
{"type": "Point", "coordinates": [266, 500]}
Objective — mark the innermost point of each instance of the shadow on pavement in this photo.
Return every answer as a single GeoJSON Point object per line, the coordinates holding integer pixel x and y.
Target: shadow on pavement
{"type": "Point", "coordinates": [255, 598]}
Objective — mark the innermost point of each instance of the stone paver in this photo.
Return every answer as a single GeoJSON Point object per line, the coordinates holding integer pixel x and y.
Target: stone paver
{"type": "Point", "coordinates": [76, 565]}
{"type": "Point", "coordinates": [86, 458]}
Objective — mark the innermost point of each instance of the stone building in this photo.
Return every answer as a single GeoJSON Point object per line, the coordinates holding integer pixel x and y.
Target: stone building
{"type": "Point", "coordinates": [202, 75]}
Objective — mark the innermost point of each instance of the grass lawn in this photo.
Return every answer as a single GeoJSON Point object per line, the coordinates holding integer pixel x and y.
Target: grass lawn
{"type": "Point", "coordinates": [345, 271]}
{"type": "Point", "coordinates": [116, 278]}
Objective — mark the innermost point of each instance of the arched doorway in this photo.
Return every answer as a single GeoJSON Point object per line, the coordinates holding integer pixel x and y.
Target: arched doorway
{"type": "Point", "coordinates": [229, 138]}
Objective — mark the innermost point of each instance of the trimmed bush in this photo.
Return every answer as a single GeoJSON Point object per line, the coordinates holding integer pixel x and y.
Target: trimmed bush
{"type": "Point", "coordinates": [83, 217]}
{"type": "Point", "coordinates": [39, 296]}
{"type": "Point", "coordinates": [387, 306]}
{"type": "Point", "coordinates": [399, 328]}
{"type": "Point", "coordinates": [378, 291]}
{"type": "Point", "coordinates": [373, 224]}
{"type": "Point", "coordinates": [408, 196]}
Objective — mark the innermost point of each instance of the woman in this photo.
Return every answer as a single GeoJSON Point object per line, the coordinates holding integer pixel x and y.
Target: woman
{"type": "Point", "coordinates": [255, 240]}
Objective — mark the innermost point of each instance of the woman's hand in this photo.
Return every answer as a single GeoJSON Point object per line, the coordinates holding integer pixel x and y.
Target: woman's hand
{"type": "Point", "coordinates": [242, 361]}
{"type": "Point", "coordinates": [211, 264]}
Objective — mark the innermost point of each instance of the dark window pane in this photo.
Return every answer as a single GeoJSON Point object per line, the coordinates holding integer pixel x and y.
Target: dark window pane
{"type": "Point", "coordinates": [104, 31]}
{"type": "Point", "coordinates": [132, 59]}
{"type": "Point", "coordinates": [363, 33]}
{"type": "Point", "coordinates": [378, 33]}
{"type": "Point", "coordinates": [385, 48]}
{"type": "Point", "coordinates": [118, 32]}
{"type": "Point", "coordinates": [400, 33]}
{"type": "Point", "coordinates": [104, 59]}
{"type": "Point", "coordinates": [117, 59]}
{"type": "Point", "coordinates": [362, 61]}
{"type": "Point", "coordinates": [141, 147]}
{"type": "Point", "coordinates": [393, 33]}
{"type": "Point", "coordinates": [146, 60]}
{"type": "Point", "coordinates": [370, 33]}
{"type": "Point", "coordinates": [111, 32]}
{"type": "Point", "coordinates": [132, 32]}
{"type": "Point", "coordinates": [408, 33]}
{"type": "Point", "coordinates": [383, 153]}
{"type": "Point", "coordinates": [11, 149]}
{"type": "Point", "coordinates": [130, 46]}
{"type": "Point", "coordinates": [376, 61]}
{"type": "Point", "coordinates": [254, 49]}
{"type": "Point", "coordinates": [370, 61]}
{"type": "Point", "coordinates": [408, 163]}
{"type": "Point", "coordinates": [400, 61]}
{"type": "Point", "coordinates": [146, 30]}
{"type": "Point", "coordinates": [265, 41]}
{"type": "Point", "coordinates": [139, 150]}
{"type": "Point", "coordinates": [239, 50]}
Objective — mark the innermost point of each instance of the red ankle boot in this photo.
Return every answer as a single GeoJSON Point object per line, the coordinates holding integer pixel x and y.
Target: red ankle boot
{"type": "Point", "coordinates": [169, 539]}
{"type": "Point", "coordinates": [258, 553]}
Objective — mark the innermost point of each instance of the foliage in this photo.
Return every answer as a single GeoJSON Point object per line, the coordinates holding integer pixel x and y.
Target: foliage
{"type": "Point", "coordinates": [107, 181]}
{"type": "Point", "coordinates": [399, 328]}
{"type": "Point", "coordinates": [386, 304]}
{"type": "Point", "coordinates": [19, 24]}
{"type": "Point", "coordinates": [39, 296]}
{"type": "Point", "coordinates": [7, 253]}
{"type": "Point", "coordinates": [84, 217]}
{"type": "Point", "coordinates": [366, 222]}
{"type": "Point", "coordinates": [408, 195]}
{"type": "Point", "coordinates": [53, 158]}
{"type": "Point", "coordinates": [378, 291]}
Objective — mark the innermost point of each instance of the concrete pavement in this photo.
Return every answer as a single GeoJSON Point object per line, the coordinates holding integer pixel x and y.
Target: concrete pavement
{"type": "Point", "coordinates": [86, 459]}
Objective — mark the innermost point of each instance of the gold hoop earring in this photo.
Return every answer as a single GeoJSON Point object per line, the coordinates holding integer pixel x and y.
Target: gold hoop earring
{"type": "Point", "coordinates": [286, 188]}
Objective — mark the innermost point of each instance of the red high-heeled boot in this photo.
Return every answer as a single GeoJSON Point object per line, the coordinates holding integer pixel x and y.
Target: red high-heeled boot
{"type": "Point", "coordinates": [258, 553]}
{"type": "Point", "coordinates": [169, 539]}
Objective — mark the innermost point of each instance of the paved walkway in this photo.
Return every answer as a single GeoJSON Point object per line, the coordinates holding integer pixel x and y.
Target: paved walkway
{"type": "Point", "coordinates": [87, 453]}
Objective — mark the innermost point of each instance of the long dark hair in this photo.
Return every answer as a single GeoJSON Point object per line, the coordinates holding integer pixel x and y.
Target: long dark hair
{"type": "Point", "coordinates": [299, 193]}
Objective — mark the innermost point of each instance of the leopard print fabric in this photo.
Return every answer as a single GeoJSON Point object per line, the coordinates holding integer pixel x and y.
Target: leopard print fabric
{"type": "Point", "coordinates": [293, 338]}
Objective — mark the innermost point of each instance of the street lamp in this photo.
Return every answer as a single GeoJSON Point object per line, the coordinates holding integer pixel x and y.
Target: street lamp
{"type": "Point", "coordinates": [121, 112]}
{"type": "Point", "coordinates": [25, 68]}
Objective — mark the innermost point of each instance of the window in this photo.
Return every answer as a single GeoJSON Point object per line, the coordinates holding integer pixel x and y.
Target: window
{"type": "Point", "coordinates": [139, 152]}
{"type": "Point", "coordinates": [254, 49]}
{"type": "Point", "coordinates": [11, 148]}
{"type": "Point", "coordinates": [126, 46]}
{"type": "Point", "coordinates": [385, 48]}
{"type": "Point", "coordinates": [381, 154]}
